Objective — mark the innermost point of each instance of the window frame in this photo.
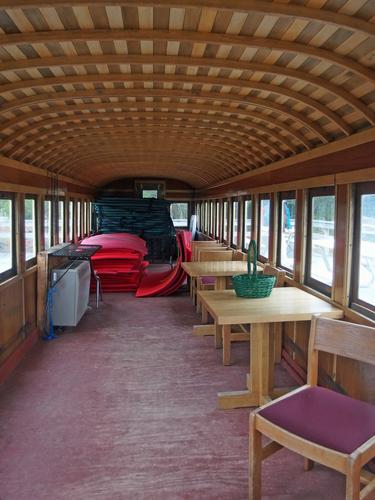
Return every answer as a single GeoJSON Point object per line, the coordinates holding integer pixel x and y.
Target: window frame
{"type": "Point", "coordinates": [264, 196]}
{"type": "Point", "coordinates": [32, 261]}
{"type": "Point", "coordinates": [308, 280]}
{"type": "Point", "coordinates": [355, 303]}
{"type": "Point", "coordinates": [12, 271]}
{"type": "Point", "coordinates": [285, 195]}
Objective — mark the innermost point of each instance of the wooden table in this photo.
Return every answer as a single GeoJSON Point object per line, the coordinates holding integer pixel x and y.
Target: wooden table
{"type": "Point", "coordinates": [284, 304]}
{"type": "Point", "coordinates": [219, 269]}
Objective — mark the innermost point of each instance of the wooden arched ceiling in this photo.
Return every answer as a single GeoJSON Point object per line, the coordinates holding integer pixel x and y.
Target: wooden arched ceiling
{"type": "Point", "coordinates": [196, 91]}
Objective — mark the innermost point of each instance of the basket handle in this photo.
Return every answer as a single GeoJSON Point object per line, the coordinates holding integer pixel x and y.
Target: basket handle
{"type": "Point", "coordinates": [252, 250]}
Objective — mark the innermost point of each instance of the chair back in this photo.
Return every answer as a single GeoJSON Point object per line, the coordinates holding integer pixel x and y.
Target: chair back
{"type": "Point", "coordinates": [339, 337]}
{"type": "Point", "coordinates": [209, 256]}
{"type": "Point", "coordinates": [280, 275]}
{"type": "Point", "coordinates": [238, 255]}
{"type": "Point", "coordinates": [205, 245]}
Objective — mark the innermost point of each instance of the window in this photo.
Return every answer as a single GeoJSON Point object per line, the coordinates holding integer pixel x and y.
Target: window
{"type": "Point", "coordinates": [30, 229]}
{"type": "Point", "coordinates": [198, 214]}
{"type": "Point", "coordinates": [320, 239]}
{"type": "Point", "coordinates": [179, 214]}
{"type": "Point", "coordinates": [247, 224]}
{"type": "Point", "coordinates": [212, 218]}
{"type": "Point", "coordinates": [217, 219]}
{"type": "Point", "coordinates": [149, 193]}
{"type": "Point", "coordinates": [85, 217]}
{"type": "Point", "coordinates": [8, 266]}
{"type": "Point", "coordinates": [235, 223]}
{"type": "Point", "coordinates": [71, 220]}
{"type": "Point", "coordinates": [91, 208]}
{"type": "Point", "coordinates": [286, 228]}
{"type": "Point", "coordinates": [363, 272]}
{"type": "Point", "coordinates": [224, 236]}
{"type": "Point", "coordinates": [61, 220]}
{"type": "Point", "coordinates": [264, 226]}
{"type": "Point", "coordinates": [79, 228]}
{"type": "Point", "coordinates": [47, 224]}
{"type": "Point", "coordinates": [206, 217]}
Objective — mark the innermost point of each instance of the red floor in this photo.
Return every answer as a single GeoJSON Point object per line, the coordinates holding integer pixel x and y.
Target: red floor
{"type": "Point", "coordinates": [124, 407]}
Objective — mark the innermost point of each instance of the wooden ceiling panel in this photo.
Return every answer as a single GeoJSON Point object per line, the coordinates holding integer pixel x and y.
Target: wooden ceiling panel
{"type": "Point", "coordinates": [197, 91]}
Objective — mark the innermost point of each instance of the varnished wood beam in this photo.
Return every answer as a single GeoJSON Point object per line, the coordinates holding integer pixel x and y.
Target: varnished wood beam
{"type": "Point", "coordinates": [248, 6]}
{"type": "Point", "coordinates": [44, 37]}
{"type": "Point", "coordinates": [98, 140]}
{"type": "Point", "coordinates": [134, 107]}
{"type": "Point", "coordinates": [99, 117]}
{"type": "Point", "coordinates": [142, 127]}
{"type": "Point", "coordinates": [169, 93]}
{"type": "Point", "coordinates": [43, 145]}
{"type": "Point", "coordinates": [206, 62]}
{"type": "Point", "coordinates": [179, 79]}
{"type": "Point", "coordinates": [44, 142]}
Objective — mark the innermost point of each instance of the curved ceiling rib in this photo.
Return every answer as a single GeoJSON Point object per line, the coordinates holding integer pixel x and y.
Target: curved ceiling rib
{"type": "Point", "coordinates": [276, 140]}
{"type": "Point", "coordinates": [247, 6]}
{"type": "Point", "coordinates": [127, 128]}
{"type": "Point", "coordinates": [190, 37]}
{"type": "Point", "coordinates": [190, 62]}
{"type": "Point", "coordinates": [86, 141]}
{"type": "Point", "coordinates": [219, 111]}
{"type": "Point", "coordinates": [46, 143]}
{"type": "Point", "coordinates": [147, 79]}
{"type": "Point", "coordinates": [196, 91]}
{"type": "Point", "coordinates": [168, 94]}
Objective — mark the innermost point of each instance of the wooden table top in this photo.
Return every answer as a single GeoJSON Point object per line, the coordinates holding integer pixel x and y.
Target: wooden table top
{"type": "Point", "coordinates": [284, 304]}
{"type": "Point", "coordinates": [215, 268]}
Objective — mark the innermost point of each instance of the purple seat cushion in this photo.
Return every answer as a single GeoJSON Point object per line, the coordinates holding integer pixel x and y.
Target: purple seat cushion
{"type": "Point", "coordinates": [324, 417]}
{"type": "Point", "coordinates": [208, 280]}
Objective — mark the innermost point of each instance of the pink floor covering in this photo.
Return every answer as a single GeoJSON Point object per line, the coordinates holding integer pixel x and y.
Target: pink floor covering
{"type": "Point", "coordinates": [124, 407]}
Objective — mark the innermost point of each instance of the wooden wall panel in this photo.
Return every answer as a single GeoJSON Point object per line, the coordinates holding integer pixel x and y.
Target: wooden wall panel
{"type": "Point", "coordinates": [30, 298]}
{"type": "Point", "coordinates": [11, 317]}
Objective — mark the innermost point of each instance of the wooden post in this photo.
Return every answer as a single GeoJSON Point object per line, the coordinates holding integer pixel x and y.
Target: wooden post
{"type": "Point", "coordinates": [300, 235]}
{"type": "Point", "coordinates": [273, 229]}
{"type": "Point", "coordinates": [241, 212]}
{"type": "Point", "coordinates": [42, 261]}
{"type": "Point", "coordinates": [255, 221]}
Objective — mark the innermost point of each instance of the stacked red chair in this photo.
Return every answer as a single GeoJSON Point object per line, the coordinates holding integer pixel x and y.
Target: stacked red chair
{"type": "Point", "coordinates": [119, 264]}
{"type": "Point", "coordinates": [168, 282]}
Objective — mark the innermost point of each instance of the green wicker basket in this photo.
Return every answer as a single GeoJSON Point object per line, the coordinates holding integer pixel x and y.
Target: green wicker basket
{"type": "Point", "coordinates": [253, 286]}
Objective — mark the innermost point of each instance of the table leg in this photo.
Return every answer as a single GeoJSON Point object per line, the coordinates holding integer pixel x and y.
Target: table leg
{"type": "Point", "coordinates": [218, 336]}
{"type": "Point", "coordinates": [226, 333]}
{"type": "Point", "coordinates": [260, 379]}
{"type": "Point", "coordinates": [204, 314]}
{"type": "Point", "coordinates": [220, 282]}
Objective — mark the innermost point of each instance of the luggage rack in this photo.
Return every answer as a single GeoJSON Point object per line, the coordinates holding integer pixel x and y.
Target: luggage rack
{"type": "Point", "coordinates": [82, 252]}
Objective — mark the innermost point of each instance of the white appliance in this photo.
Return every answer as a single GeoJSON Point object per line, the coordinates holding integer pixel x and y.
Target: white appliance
{"type": "Point", "coordinates": [71, 291]}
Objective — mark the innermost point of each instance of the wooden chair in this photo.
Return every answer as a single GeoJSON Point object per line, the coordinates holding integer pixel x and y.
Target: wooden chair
{"type": "Point", "coordinates": [241, 333]}
{"type": "Point", "coordinates": [208, 282]}
{"type": "Point", "coordinates": [197, 245]}
{"type": "Point", "coordinates": [322, 425]}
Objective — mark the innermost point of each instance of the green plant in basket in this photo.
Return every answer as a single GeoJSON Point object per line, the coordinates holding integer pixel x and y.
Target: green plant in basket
{"type": "Point", "coordinates": [253, 285]}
